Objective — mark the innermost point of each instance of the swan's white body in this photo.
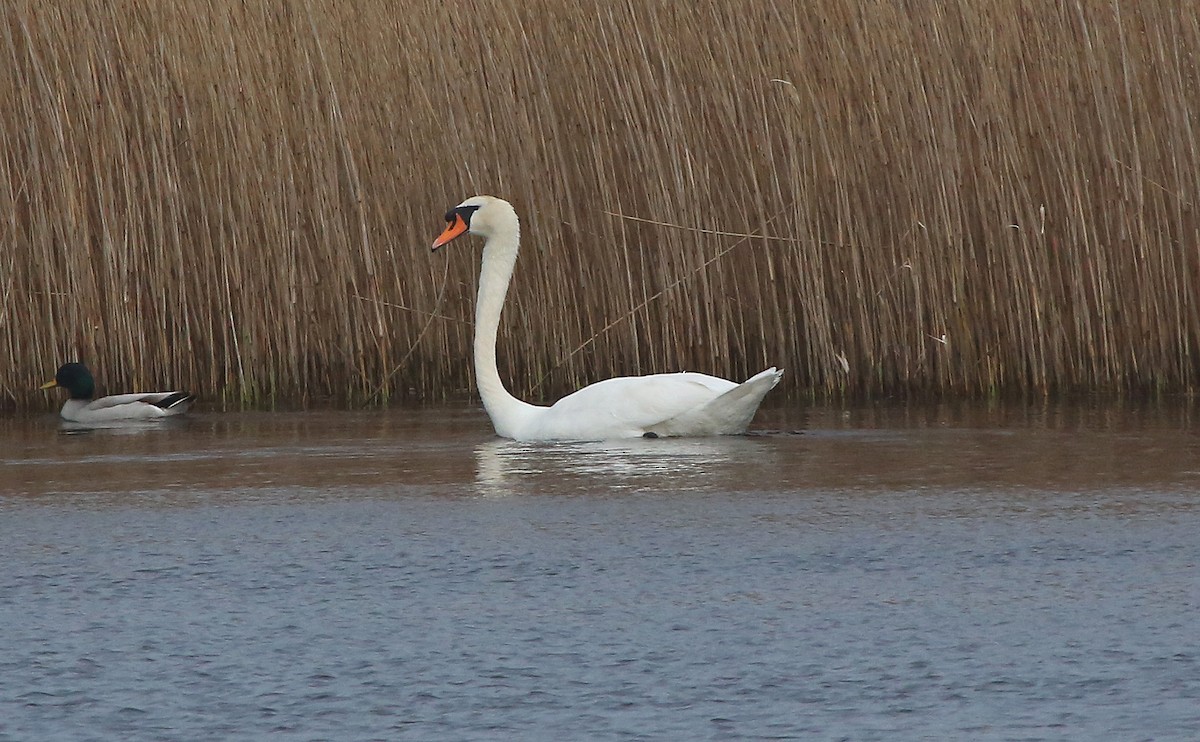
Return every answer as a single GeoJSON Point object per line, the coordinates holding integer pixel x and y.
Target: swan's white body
{"type": "Point", "coordinates": [679, 404]}
{"type": "Point", "coordinates": [124, 407]}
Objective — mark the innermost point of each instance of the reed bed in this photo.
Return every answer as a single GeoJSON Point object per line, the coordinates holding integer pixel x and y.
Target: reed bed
{"type": "Point", "coordinates": [946, 198]}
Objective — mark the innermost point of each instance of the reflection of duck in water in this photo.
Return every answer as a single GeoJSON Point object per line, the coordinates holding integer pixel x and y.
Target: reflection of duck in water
{"type": "Point", "coordinates": [82, 408]}
{"type": "Point", "coordinates": [682, 404]}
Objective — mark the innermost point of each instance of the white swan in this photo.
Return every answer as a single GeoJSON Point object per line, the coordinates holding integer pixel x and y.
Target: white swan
{"type": "Point", "coordinates": [82, 408]}
{"type": "Point", "coordinates": [680, 404]}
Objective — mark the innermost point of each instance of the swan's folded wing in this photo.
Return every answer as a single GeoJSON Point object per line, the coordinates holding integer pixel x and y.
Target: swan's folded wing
{"type": "Point", "coordinates": [630, 405]}
{"type": "Point", "coordinates": [728, 413]}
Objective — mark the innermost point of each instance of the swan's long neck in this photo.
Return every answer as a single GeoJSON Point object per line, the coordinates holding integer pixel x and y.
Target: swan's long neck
{"type": "Point", "coordinates": [499, 256]}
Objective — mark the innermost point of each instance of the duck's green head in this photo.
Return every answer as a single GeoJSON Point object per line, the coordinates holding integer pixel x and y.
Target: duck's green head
{"type": "Point", "coordinates": [76, 379]}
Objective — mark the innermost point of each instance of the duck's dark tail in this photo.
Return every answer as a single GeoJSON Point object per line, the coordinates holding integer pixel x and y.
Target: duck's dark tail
{"type": "Point", "coordinates": [174, 400]}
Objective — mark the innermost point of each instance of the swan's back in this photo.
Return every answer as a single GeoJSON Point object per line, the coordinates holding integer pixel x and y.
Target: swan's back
{"type": "Point", "coordinates": [660, 404]}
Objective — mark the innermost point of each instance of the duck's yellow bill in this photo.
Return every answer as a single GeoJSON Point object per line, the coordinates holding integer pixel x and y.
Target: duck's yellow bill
{"type": "Point", "coordinates": [49, 384]}
{"type": "Point", "coordinates": [454, 230]}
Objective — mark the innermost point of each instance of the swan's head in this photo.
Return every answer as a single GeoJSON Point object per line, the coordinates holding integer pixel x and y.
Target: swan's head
{"type": "Point", "coordinates": [480, 215]}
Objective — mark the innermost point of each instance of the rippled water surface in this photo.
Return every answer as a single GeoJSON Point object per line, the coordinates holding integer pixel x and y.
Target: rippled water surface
{"type": "Point", "coordinates": [874, 573]}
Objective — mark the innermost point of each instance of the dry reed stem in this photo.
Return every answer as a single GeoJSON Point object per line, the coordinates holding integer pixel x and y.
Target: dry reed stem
{"type": "Point", "coordinates": [237, 197]}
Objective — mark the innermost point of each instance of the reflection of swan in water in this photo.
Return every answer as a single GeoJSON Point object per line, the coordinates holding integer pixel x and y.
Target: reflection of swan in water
{"type": "Point", "coordinates": [506, 467]}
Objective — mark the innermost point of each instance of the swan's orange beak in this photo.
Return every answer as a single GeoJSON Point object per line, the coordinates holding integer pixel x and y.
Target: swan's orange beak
{"type": "Point", "coordinates": [456, 228]}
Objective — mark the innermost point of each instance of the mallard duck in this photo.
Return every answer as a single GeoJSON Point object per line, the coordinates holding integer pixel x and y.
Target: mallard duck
{"type": "Point", "coordinates": [82, 408]}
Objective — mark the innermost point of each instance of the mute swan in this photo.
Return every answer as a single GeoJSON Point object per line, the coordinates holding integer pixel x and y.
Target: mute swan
{"type": "Point", "coordinates": [81, 408]}
{"type": "Point", "coordinates": [679, 404]}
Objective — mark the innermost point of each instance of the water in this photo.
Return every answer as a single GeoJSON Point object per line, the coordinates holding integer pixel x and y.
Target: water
{"type": "Point", "coordinates": [887, 573]}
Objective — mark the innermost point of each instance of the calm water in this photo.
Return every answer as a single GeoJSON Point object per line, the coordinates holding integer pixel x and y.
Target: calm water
{"type": "Point", "coordinates": [882, 574]}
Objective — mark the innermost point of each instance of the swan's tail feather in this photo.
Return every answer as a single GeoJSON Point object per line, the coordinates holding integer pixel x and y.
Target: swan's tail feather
{"type": "Point", "coordinates": [728, 414]}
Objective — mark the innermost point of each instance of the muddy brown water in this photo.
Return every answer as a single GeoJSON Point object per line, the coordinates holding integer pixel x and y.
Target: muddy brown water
{"type": "Point", "coordinates": [873, 572]}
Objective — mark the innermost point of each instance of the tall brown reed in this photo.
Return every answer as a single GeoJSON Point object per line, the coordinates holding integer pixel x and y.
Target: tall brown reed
{"type": "Point", "coordinates": [945, 197]}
